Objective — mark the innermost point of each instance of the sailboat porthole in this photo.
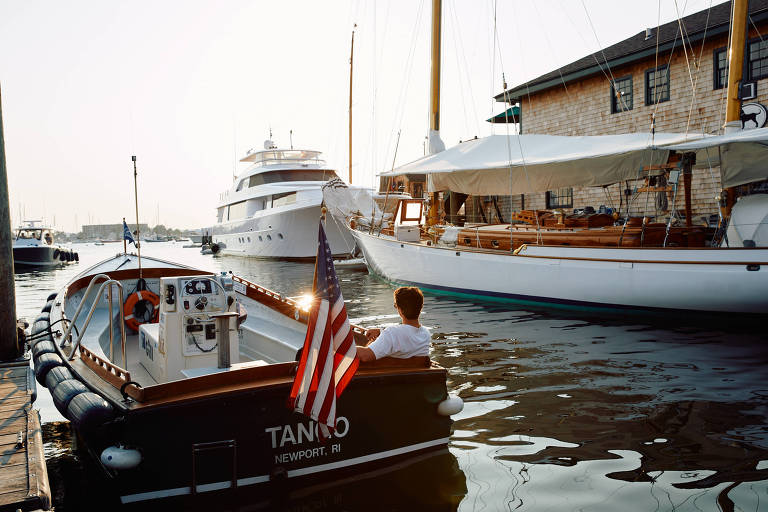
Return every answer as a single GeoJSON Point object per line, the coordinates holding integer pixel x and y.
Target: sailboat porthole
{"type": "Point", "coordinates": [466, 240]}
{"type": "Point", "coordinates": [249, 239]}
{"type": "Point", "coordinates": [495, 244]}
{"type": "Point", "coordinates": [269, 237]}
{"type": "Point", "coordinates": [280, 235]}
{"type": "Point", "coordinates": [260, 239]}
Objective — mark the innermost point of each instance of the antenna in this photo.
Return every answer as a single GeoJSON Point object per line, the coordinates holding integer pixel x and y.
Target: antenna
{"type": "Point", "coordinates": [136, 199]}
{"type": "Point", "coordinates": [290, 135]}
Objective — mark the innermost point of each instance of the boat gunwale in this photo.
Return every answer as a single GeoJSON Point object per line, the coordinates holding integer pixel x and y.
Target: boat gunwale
{"type": "Point", "coordinates": [432, 245]}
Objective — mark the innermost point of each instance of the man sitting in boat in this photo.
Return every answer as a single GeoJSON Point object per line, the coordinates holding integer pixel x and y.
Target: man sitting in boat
{"type": "Point", "coordinates": [409, 339]}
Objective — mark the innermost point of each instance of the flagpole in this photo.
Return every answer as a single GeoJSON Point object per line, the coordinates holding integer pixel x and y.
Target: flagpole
{"type": "Point", "coordinates": [125, 248]}
{"type": "Point", "coordinates": [136, 199]}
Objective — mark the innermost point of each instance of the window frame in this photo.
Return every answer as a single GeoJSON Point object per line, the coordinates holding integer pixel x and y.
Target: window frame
{"type": "Point", "coordinates": [650, 101]}
{"type": "Point", "coordinates": [614, 102]}
{"type": "Point", "coordinates": [551, 194]}
{"type": "Point", "coordinates": [748, 60]}
{"type": "Point", "coordinates": [716, 70]}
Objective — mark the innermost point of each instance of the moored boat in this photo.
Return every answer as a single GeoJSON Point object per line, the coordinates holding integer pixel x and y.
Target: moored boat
{"type": "Point", "coordinates": [272, 207]}
{"type": "Point", "coordinates": [196, 403]}
{"type": "Point", "coordinates": [34, 247]}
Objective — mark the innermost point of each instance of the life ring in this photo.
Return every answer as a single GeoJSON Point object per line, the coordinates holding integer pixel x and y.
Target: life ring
{"type": "Point", "coordinates": [130, 309]}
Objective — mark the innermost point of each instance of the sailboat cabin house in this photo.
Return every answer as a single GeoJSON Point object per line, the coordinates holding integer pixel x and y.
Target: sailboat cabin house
{"type": "Point", "coordinates": [670, 78]}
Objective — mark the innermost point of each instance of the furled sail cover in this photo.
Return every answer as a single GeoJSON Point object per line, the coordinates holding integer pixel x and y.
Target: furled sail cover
{"type": "Point", "coordinates": [743, 155]}
{"type": "Point", "coordinates": [518, 164]}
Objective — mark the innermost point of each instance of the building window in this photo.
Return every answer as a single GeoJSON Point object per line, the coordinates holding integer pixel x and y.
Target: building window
{"type": "Point", "coordinates": [657, 85]}
{"type": "Point", "coordinates": [758, 59]}
{"type": "Point", "coordinates": [560, 198]}
{"type": "Point", "coordinates": [720, 68]}
{"type": "Point", "coordinates": [621, 95]}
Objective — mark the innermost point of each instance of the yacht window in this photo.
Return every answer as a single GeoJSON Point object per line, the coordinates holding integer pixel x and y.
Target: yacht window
{"type": "Point", "coordinates": [240, 185]}
{"type": "Point", "coordinates": [237, 211]}
{"type": "Point", "coordinates": [220, 213]}
{"type": "Point", "coordinates": [283, 199]}
{"type": "Point", "coordinates": [290, 175]}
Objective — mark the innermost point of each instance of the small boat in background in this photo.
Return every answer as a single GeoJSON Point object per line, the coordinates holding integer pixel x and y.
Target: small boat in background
{"type": "Point", "coordinates": [33, 246]}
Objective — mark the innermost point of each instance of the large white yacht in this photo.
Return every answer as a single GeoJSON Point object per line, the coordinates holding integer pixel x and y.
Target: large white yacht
{"type": "Point", "coordinates": [273, 208]}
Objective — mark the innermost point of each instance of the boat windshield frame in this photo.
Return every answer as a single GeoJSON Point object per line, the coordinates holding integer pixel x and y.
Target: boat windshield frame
{"type": "Point", "coordinates": [284, 156]}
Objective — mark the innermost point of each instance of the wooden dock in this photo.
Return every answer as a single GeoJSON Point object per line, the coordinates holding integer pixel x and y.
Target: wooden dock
{"type": "Point", "coordinates": [23, 474]}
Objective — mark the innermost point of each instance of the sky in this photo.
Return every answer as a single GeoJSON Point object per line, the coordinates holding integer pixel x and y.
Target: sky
{"type": "Point", "coordinates": [190, 86]}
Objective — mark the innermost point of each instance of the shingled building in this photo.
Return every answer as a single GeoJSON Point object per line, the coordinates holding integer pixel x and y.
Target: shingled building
{"type": "Point", "coordinates": [670, 78]}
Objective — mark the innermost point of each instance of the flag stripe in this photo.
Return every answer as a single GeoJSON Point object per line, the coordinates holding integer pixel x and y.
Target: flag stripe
{"type": "Point", "coordinates": [329, 357]}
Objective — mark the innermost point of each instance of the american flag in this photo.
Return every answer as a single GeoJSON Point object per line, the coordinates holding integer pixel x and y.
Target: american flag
{"type": "Point", "coordinates": [329, 358]}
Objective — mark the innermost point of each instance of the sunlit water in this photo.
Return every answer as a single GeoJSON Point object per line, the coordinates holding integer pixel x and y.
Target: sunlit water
{"type": "Point", "coordinates": [565, 411]}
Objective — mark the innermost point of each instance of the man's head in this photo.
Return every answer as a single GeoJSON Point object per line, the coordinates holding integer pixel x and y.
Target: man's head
{"type": "Point", "coordinates": [409, 300]}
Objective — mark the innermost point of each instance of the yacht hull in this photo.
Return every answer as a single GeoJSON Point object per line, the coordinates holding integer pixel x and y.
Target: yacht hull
{"type": "Point", "coordinates": [712, 280]}
{"type": "Point", "coordinates": [284, 233]}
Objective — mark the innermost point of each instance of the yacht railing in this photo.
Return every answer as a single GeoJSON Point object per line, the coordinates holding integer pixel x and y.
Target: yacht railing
{"type": "Point", "coordinates": [108, 282]}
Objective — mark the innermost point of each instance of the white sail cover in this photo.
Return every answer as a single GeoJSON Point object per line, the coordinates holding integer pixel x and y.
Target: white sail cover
{"type": "Point", "coordinates": [742, 155]}
{"type": "Point", "coordinates": [517, 164]}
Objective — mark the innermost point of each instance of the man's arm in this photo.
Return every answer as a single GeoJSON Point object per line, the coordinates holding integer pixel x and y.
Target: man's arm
{"type": "Point", "coordinates": [365, 354]}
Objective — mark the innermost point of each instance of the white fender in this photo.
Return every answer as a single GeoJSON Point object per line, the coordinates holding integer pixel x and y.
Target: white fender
{"type": "Point", "coordinates": [120, 458]}
{"type": "Point", "coordinates": [450, 406]}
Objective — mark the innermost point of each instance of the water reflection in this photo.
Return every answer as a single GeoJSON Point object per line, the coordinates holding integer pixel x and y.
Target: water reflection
{"type": "Point", "coordinates": [565, 410]}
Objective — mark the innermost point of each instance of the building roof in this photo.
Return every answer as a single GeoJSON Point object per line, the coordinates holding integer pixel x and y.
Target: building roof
{"type": "Point", "coordinates": [707, 23]}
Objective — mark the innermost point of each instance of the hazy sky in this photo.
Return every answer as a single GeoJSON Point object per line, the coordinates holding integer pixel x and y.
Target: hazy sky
{"type": "Point", "coordinates": [189, 86]}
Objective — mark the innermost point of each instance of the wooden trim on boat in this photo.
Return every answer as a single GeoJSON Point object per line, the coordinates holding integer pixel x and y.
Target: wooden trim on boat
{"type": "Point", "coordinates": [106, 370]}
{"type": "Point", "coordinates": [618, 260]}
{"type": "Point", "coordinates": [260, 377]}
{"type": "Point", "coordinates": [133, 273]}
{"type": "Point", "coordinates": [286, 306]}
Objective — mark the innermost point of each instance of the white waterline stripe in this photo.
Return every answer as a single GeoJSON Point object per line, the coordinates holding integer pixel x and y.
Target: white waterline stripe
{"type": "Point", "coordinates": [242, 482]}
{"type": "Point", "coordinates": [366, 458]}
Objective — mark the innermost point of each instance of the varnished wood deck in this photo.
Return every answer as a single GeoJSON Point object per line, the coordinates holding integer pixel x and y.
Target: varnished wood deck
{"type": "Point", "coordinates": [23, 474]}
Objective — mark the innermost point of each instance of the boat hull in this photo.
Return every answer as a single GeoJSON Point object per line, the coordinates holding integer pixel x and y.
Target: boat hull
{"type": "Point", "coordinates": [250, 438]}
{"type": "Point", "coordinates": [40, 256]}
{"type": "Point", "coordinates": [716, 280]}
{"type": "Point", "coordinates": [284, 233]}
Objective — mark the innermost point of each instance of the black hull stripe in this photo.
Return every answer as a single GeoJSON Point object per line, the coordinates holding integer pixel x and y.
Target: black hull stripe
{"type": "Point", "coordinates": [242, 482]}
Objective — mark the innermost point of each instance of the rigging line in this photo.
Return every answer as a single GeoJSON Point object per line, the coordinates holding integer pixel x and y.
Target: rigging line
{"type": "Point", "coordinates": [458, 65]}
{"type": "Point", "coordinates": [405, 85]}
{"type": "Point", "coordinates": [755, 27]}
{"type": "Point", "coordinates": [698, 74]}
{"type": "Point", "coordinates": [724, 89]}
{"type": "Point", "coordinates": [612, 78]}
{"type": "Point", "coordinates": [552, 52]}
{"type": "Point", "coordinates": [693, 80]}
{"type": "Point", "coordinates": [457, 33]}
{"type": "Point", "coordinates": [509, 151]}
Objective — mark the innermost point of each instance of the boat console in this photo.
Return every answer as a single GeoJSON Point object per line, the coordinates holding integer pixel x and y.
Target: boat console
{"type": "Point", "coordinates": [185, 343]}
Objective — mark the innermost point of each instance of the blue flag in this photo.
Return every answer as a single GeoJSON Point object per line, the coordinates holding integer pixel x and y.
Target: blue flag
{"type": "Point", "coordinates": [127, 234]}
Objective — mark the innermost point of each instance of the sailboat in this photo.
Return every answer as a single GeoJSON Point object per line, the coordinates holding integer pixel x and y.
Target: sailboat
{"type": "Point", "coordinates": [414, 250]}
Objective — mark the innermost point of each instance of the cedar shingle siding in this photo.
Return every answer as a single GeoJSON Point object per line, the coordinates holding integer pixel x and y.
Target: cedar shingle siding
{"type": "Point", "coordinates": [589, 107]}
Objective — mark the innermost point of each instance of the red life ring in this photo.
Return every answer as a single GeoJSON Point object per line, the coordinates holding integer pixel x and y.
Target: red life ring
{"type": "Point", "coordinates": [130, 306]}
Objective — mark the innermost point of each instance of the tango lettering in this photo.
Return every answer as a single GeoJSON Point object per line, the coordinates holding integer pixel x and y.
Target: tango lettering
{"type": "Point", "coordinates": [292, 435]}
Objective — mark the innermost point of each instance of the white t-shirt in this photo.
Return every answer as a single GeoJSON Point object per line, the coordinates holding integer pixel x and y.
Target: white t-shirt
{"type": "Point", "coordinates": [401, 341]}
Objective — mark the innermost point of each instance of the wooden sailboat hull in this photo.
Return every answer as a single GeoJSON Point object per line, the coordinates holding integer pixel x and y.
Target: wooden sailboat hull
{"type": "Point", "coordinates": [717, 280]}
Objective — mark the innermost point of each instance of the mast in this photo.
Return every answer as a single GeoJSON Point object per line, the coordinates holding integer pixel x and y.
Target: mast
{"type": "Point", "coordinates": [735, 64]}
{"type": "Point", "coordinates": [436, 145]}
{"type": "Point", "coordinates": [739, 11]}
{"type": "Point", "coordinates": [351, 57]}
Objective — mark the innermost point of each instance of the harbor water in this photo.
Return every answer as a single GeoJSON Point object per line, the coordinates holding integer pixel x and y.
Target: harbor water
{"type": "Point", "coordinates": [565, 410]}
